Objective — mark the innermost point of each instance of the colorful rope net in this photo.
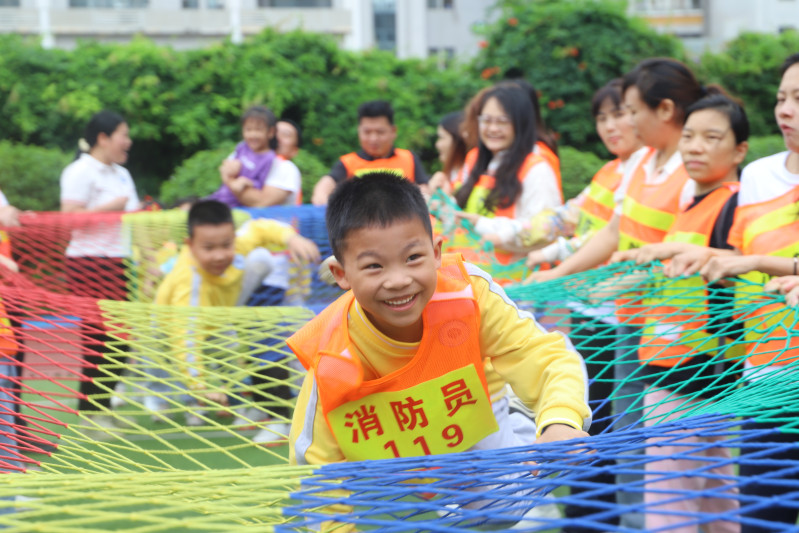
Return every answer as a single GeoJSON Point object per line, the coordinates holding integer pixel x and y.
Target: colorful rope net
{"type": "Point", "coordinates": [162, 438]}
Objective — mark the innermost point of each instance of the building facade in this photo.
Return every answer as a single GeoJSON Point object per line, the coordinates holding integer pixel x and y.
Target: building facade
{"type": "Point", "coordinates": [708, 24]}
{"type": "Point", "coordinates": [411, 28]}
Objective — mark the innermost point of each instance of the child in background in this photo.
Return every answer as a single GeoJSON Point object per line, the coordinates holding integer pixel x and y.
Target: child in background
{"type": "Point", "coordinates": [254, 175]}
{"type": "Point", "coordinates": [218, 267]}
{"type": "Point", "coordinates": [679, 342]}
{"type": "Point", "coordinates": [416, 323]}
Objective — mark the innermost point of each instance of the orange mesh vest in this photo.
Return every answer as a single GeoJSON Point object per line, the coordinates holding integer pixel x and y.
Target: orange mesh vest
{"type": "Point", "coordinates": [770, 228]}
{"type": "Point", "coordinates": [553, 160]}
{"type": "Point", "coordinates": [675, 319]}
{"type": "Point", "coordinates": [485, 184]}
{"type": "Point", "coordinates": [599, 205]}
{"type": "Point", "coordinates": [648, 211]}
{"type": "Point", "coordinates": [400, 162]}
{"type": "Point", "coordinates": [450, 344]}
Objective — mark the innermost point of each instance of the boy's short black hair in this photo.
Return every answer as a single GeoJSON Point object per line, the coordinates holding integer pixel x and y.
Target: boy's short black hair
{"type": "Point", "coordinates": [376, 199]}
{"type": "Point", "coordinates": [209, 213]}
{"type": "Point", "coordinates": [374, 109]}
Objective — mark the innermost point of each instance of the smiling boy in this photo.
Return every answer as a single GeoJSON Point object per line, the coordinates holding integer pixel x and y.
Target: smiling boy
{"type": "Point", "coordinates": [399, 365]}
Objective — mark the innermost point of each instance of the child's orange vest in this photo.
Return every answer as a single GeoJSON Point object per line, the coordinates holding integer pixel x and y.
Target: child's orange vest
{"type": "Point", "coordinates": [437, 403]}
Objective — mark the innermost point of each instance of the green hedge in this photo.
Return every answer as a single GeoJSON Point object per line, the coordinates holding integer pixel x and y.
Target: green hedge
{"type": "Point", "coordinates": [29, 175]}
{"type": "Point", "coordinates": [181, 102]}
{"type": "Point", "coordinates": [576, 170]}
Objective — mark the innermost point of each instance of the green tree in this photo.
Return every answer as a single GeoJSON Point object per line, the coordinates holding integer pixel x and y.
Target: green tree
{"type": "Point", "coordinates": [567, 50]}
{"type": "Point", "coordinates": [749, 68]}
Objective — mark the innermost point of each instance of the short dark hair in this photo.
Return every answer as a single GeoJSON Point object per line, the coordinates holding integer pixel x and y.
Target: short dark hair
{"type": "Point", "coordinates": [661, 78]}
{"type": "Point", "coordinates": [718, 100]}
{"type": "Point", "coordinates": [208, 213]}
{"type": "Point", "coordinates": [374, 109]}
{"type": "Point", "coordinates": [376, 199]}
{"type": "Point", "coordinates": [790, 61]}
{"type": "Point", "coordinates": [610, 91]}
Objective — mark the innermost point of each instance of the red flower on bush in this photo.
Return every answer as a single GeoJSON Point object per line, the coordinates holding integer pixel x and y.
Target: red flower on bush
{"type": "Point", "coordinates": [482, 44]}
{"type": "Point", "coordinates": [489, 72]}
{"type": "Point", "coordinates": [318, 141]}
{"type": "Point", "coordinates": [573, 51]}
{"type": "Point", "coordinates": [513, 21]}
{"type": "Point", "coordinates": [551, 104]}
{"type": "Point", "coordinates": [582, 65]}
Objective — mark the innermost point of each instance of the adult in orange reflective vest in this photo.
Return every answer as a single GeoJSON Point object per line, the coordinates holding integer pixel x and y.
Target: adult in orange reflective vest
{"type": "Point", "coordinates": [677, 323]}
{"type": "Point", "coordinates": [766, 233]}
{"type": "Point", "coordinates": [658, 92]}
{"type": "Point", "coordinates": [382, 359]}
{"type": "Point", "coordinates": [376, 134]}
{"type": "Point", "coordinates": [594, 207]}
{"type": "Point", "coordinates": [507, 180]}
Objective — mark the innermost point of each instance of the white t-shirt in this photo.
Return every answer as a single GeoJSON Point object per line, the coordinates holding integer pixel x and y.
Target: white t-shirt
{"type": "Point", "coordinates": [283, 174]}
{"type": "Point", "coordinates": [766, 179]}
{"type": "Point", "coordinates": [92, 183]}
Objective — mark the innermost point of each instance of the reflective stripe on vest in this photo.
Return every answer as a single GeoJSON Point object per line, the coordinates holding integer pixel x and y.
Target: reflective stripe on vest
{"type": "Point", "coordinates": [675, 319]}
{"type": "Point", "coordinates": [648, 211]}
{"type": "Point", "coordinates": [770, 228]}
{"type": "Point", "coordinates": [401, 162]}
{"type": "Point", "coordinates": [444, 382]}
{"type": "Point", "coordinates": [599, 204]}
{"type": "Point", "coordinates": [484, 186]}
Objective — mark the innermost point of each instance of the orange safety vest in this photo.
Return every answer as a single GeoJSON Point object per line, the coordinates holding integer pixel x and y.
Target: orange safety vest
{"type": "Point", "coordinates": [675, 319]}
{"type": "Point", "coordinates": [431, 405]}
{"type": "Point", "coordinates": [648, 211]}
{"type": "Point", "coordinates": [598, 206]}
{"type": "Point", "coordinates": [770, 228]}
{"type": "Point", "coordinates": [400, 162]}
{"type": "Point", "coordinates": [485, 184]}
{"type": "Point", "coordinates": [468, 165]}
{"type": "Point", "coordinates": [554, 162]}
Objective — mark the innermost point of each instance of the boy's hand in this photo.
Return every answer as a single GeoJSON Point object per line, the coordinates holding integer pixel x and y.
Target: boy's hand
{"type": "Point", "coordinates": [559, 432]}
{"type": "Point", "coordinates": [239, 185]}
{"type": "Point", "coordinates": [303, 250]}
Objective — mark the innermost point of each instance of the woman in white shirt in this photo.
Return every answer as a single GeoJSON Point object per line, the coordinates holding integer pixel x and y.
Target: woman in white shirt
{"type": "Point", "coordinates": [96, 182]}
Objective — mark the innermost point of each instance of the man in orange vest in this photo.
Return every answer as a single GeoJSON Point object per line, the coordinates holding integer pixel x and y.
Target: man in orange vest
{"type": "Point", "coordinates": [376, 133]}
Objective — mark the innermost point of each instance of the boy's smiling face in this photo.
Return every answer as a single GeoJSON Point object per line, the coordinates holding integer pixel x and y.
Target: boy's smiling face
{"type": "Point", "coordinates": [392, 272]}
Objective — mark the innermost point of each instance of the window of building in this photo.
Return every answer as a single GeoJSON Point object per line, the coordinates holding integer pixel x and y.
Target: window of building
{"type": "Point", "coordinates": [295, 3]}
{"type": "Point", "coordinates": [385, 13]}
{"type": "Point", "coordinates": [440, 4]}
{"type": "Point", "coordinates": [9, 3]}
{"type": "Point", "coordinates": [119, 4]}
